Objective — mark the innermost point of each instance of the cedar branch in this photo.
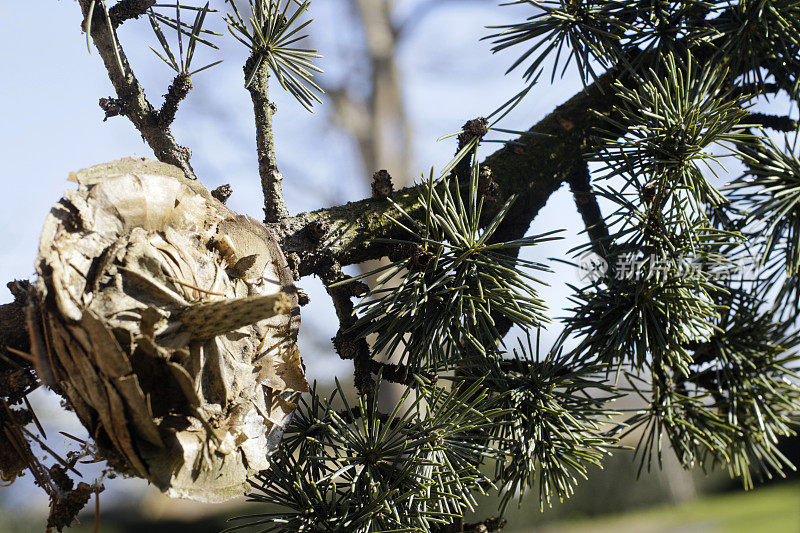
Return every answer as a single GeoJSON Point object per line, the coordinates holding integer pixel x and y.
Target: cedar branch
{"type": "Point", "coordinates": [271, 179]}
{"type": "Point", "coordinates": [131, 93]}
{"type": "Point", "coordinates": [533, 167]}
{"type": "Point", "coordinates": [346, 343]}
{"type": "Point", "coordinates": [586, 203]}
{"type": "Point", "coordinates": [774, 122]}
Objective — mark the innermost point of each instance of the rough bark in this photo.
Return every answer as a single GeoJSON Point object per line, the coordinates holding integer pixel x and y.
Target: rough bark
{"type": "Point", "coordinates": [130, 92]}
{"type": "Point", "coordinates": [12, 319]}
{"type": "Point", "coordinates": [263, 110]}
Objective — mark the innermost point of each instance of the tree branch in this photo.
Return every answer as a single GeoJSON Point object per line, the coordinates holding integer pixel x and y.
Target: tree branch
{"type": "Point", "coordinates": [271, 179]}
{"type": "Point", "coordinates": [533, 167]}
{"type": "Point", "coordinates": [399, 373]}
{"type": "Point", "coordinates": [586, 202]}
{"type": "Point", "coordinates": [178, 90]}
{"type": "Point", "coordinates": [774, 122]}
{"type": "Point", "coordinates": [348, 345]}
{"type": "Point", "coordinates": [131, 93]}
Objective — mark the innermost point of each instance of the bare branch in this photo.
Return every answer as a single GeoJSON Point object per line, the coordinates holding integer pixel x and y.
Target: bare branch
{"type": "Point", "coordinates": [586, 202]}
{"type": "Point", "coordinates": [130, 92]}
{"type": "Point", "coordinates": [774, 122]}
{"type": "Point", "coordinates": [271, 179]}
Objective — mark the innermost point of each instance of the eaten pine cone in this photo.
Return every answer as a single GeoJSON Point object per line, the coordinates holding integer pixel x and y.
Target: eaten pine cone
{"type": "Point", "coordinates": [169, 323]}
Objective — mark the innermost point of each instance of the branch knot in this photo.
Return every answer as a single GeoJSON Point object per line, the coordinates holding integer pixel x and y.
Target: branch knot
{"type": "Point", "coordinates": [113, 107]}
{"type": "Point", "coordinates": [477, 127]}
{"type": "Point", "coordinates": [382, 186]}
{"type": "Point", "coordinates": [129, 9]}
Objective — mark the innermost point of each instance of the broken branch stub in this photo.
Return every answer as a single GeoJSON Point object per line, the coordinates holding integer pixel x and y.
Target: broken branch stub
{"type": "Point", "coordinates": [170, 323]}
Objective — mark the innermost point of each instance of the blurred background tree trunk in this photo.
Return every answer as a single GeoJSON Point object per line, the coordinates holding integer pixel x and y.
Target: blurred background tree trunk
{"type": "Point", "coordinates": [377, 120]}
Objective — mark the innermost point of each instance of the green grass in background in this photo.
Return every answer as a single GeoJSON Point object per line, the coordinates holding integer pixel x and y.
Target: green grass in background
{"type": "Point", "coordinates": [771, 509]}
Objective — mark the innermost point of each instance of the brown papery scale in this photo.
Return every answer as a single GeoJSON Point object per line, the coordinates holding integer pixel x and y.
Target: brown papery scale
{"type": "Point", "coordinates": [169, 323]}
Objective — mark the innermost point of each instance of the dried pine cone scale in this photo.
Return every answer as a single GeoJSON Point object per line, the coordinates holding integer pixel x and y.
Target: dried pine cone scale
{"type": "Point", "coordinates": [170, 324]}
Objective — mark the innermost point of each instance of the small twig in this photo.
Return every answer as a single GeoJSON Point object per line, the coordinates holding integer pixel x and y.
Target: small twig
{"type": "Point", "coordinates": [14, 437]}
{"type": "Point", "coordinates": [586, 202]}
{"type": "Point", "coordinates": [73, 437]}
{"type": "Point", "coordinates": [134, 103]}
{"type": "Point", "coordinates": [20, 353]}
{"type": "Point", "coordinates": [399, 373]}
{"type": "Point", "coordinates": [177, 91]}
{"type": "Point", "coordinates": [35, 418]}
{"type": "Point", "coordinates": [347, 345]}
{"type": "Point", "coordinates": [98, 488]}
{"type": "Point", "coordinates": [271, 179]}
{"type": "Point", "coordinates": [23, 449]}
{"type": "Point", "coordinates": [53, 454]}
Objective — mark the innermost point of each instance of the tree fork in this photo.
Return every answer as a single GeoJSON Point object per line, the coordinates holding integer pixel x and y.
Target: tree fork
{"type": "Point", "coordinates": [129, 91]}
